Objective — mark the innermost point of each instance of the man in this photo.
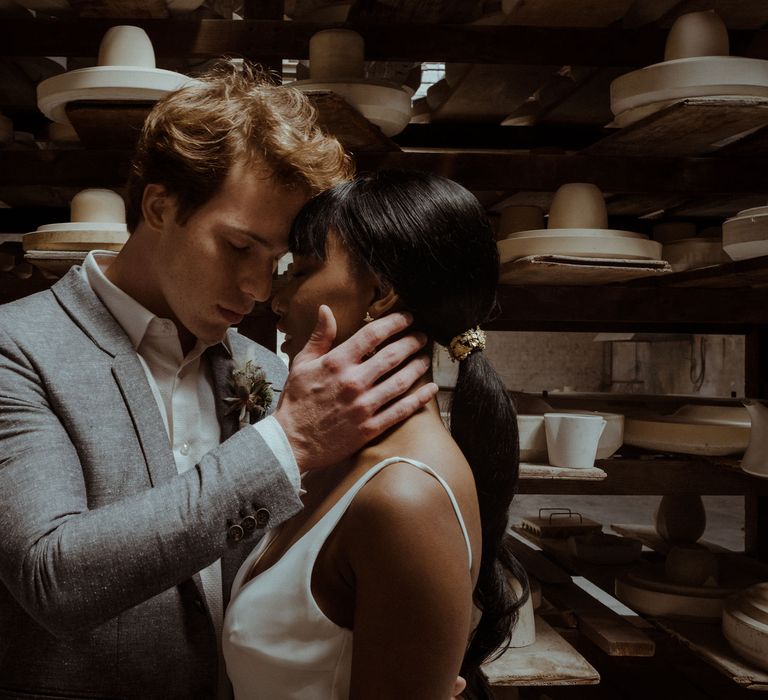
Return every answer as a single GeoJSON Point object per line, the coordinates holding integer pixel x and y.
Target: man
{"type": "Point", "coordinates": [128, 496]}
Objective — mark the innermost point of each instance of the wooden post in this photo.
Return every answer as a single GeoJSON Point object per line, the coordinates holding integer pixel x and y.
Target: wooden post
{"type": "Point", "coordinates": [756, 386]}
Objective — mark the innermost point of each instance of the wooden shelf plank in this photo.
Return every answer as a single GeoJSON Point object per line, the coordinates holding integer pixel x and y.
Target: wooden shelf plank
{"type": "Point", "coordinates": [549, 661]}
{"type": "Point", "coordinates": [629, 307]}
{"type": "Point", "coordinates": [529, 470]}
{"type": "Point", "coordinates": [693, 126]}
{"type": "Point", "coordinates": [656, 476]}
{"type": "Point", "coordinates": [737, 274]}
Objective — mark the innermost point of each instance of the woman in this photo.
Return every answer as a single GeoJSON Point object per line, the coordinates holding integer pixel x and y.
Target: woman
{"type": "Point", "coordinates": [394, 545]}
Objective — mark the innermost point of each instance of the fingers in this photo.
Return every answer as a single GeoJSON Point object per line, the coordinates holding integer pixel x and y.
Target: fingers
{"type": "Point", "coordinates": [401, 409]}
{"type": "Point", "coordinates": [322, 337]}
{"type": "Point", "coordinates": [393, 355]}
{"type": "Point", "coordinates": [392, 387]}
{"type": "Point", "coordinates": [370, 336]}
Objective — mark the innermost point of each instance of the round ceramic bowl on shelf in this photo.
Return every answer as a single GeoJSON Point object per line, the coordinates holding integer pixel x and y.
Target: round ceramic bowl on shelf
{"type": "Point", "coordinates": [745, 624]}
{"type": "Point", "coordinates": [698, 76]}
{"type": "Point", "coordinates": [688, 431]}
{"type": "Point", "coordinates": [746, 234]}
{"type": "Point", "coordinates": [598, 246]}
{"type": "Point", "coordinates": [386, 105]}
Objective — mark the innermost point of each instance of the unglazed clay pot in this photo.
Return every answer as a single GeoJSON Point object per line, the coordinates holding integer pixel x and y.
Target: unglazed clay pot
{"type": "Point", "coordinates": [126, 46]}
{"type": "Point", "coordinates": [97, 205]}
{"type": "Point", "coordinates": [680, 518]}
{"type": "Point", "coordinates": [336, 54]}
{"type": "Point", "coordinates": [691, 566]}
{"type": "Point", "coordinates": [697, 34]}
{"type": "Point", "coordinates": [578, 205]}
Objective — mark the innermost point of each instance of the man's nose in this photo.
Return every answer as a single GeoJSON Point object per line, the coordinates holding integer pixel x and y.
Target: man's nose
{"type": "Point", "coordinates": [256, 281]}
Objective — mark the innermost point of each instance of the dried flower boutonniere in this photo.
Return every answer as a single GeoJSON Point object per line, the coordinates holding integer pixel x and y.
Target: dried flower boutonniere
{"type": "Point", "coordinates": [253, 394]}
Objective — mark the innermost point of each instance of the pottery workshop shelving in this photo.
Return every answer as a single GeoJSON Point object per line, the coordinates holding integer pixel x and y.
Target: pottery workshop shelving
{"type": "Point", "coordinates": [524, 107]}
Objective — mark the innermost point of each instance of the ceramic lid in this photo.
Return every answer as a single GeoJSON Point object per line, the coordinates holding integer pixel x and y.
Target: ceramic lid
{"type": "Point", "coordinates": [752, 602]}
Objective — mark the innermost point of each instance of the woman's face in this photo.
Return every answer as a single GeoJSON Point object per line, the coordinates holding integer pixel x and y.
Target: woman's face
{"type": "Point", "coordinates": [310, 282]}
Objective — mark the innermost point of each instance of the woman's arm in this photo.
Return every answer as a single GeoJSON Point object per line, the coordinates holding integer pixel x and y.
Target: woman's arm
{"type": "Point", "coordinates": [413, 588]}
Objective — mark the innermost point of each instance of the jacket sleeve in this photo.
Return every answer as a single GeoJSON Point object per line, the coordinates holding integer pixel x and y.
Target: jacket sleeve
{"type": "Point", "coordinates": [72, 567]}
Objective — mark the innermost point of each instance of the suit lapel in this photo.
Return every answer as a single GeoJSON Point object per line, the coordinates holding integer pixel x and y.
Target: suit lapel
{"type": "Point", "coordinates": [222, 364]}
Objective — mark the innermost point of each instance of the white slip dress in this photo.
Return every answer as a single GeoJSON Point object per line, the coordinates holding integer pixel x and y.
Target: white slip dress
{"type": "Point", "coordinates": [278, 644]}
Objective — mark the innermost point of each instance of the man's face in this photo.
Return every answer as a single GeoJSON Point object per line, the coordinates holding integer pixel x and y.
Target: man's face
{"type": "Point", "coordinates": [211, 270]}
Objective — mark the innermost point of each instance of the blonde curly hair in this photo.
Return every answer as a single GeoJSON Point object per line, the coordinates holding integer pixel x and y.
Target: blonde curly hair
{"type": "Point", "coordinates": [192, 138]}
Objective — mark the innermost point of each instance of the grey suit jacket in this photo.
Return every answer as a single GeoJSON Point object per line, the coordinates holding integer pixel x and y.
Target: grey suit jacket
{"type": "Point", "coordinates": [100, 538]}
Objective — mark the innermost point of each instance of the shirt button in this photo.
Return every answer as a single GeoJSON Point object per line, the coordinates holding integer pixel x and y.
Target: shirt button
{"type": "Point", "coordinates": [184, 449]}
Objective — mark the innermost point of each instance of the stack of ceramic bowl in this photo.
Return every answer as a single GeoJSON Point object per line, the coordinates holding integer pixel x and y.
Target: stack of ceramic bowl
{"type": "Point", "coordinates": [336, 65]}
{"type": "Point", "coordinates": [696, 64]}
{"type": "Point", "coordinates": [97, 223]}
{"type": "Point", "coordinates": [577, 227]}
{"type": "Point", "coordinates": [746, 234]}
{"type": "Point", "coordinates": [126, 72]}
{"type": "Point", "coordinates": [745, 624]}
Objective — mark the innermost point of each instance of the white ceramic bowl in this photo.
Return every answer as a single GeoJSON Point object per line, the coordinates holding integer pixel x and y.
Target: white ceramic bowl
{"type": "Point", "coordinates": [745, 632]}
{"type": "Point", "coordinates": [613, 434]}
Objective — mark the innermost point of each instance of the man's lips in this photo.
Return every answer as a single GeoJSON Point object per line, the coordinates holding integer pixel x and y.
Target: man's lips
{"type": "Point", "coordinates": [230, 316]}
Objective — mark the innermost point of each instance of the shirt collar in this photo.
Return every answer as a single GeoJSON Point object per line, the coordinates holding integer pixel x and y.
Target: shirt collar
{"type": "Point", "coordinates": [134, 318]}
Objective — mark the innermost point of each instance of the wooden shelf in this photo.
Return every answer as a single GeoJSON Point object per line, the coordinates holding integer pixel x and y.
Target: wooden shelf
{"type": "Point", "coordinates": [737, 274]}
{"type": "Point", "coordinates": [549, 661]}
{"type": "Point", "coordinates": [529, 470]}
{"type": "Point", "coordinates": [704, 640]}
{"type": "Point", "coordinates": [693, 126]}
{"type": "Point", "coordinates": [657, 475]}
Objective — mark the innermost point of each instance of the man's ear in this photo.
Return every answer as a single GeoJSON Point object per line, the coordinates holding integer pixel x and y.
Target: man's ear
{"type": "Point", "coordinates": [157, 206]}
{"type": "Point", "coordinates": [385, 300]}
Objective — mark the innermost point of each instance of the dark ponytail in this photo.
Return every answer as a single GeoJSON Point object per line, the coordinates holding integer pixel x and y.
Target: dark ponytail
{"type": "Point", "coordinates": [429, 238]}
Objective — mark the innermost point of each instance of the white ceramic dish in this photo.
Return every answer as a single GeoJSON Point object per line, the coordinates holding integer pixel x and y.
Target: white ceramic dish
{"type": "Point", "coordinates": [54, 263]}
{"type": "Point", "coordinates": [105, 83]}
{"type": "Point", "coordinates": [699, 76]}
{"type": "Point", "coordinates": [748, 637]}
{"type": "Point", "coordinates": [746, 234]}
{"type": "Point", "coordinates": [687, 434]}
{"type": "Point", "coordinates": [645, 588]}
{"type": "Point", "coordinates": [76, 236]}
{"type": "Point", "coordinates": [584, 247]}
{"type": "Point", "coordinates": [690, 253]}
{"type": "Point", "coordinates": [576, 232]}
{"type": "Point", "coordinates": [715, 415]}
{"type": "Point", "coordinates": [386, 105]}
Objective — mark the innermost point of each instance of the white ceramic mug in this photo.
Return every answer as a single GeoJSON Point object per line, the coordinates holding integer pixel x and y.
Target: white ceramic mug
{"type": "Point", "coordinates": [572, 439]}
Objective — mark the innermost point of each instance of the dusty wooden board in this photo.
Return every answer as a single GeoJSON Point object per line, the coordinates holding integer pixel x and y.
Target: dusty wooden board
{"type": "Point", "coordinates": [690, 127]}
{"type": "Point", "coordinates": [337, 117]}
{"type": "Point", "coordinates": [534, 562]}
{"type": "Point", "coordinates": [649, 537]}
{"type": "Point", "coordinates": [706, 640]}
{"type": "Point", "coordinates": [550, 660]}
{"type": "Point", "coordinates": [568, 270]}
{"type": "Point", "coordinates": [608, 630]}
{"type": "Point", "coordinates": [566, 13]}
{"type": "Point", "coordinates": [528, 470]}
{"type": "Point", "coordinates": [108, 124]}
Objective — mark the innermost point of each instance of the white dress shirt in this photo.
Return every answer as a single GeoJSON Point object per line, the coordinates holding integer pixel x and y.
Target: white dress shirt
{"type": "Point", "coordinates": [183, 388]}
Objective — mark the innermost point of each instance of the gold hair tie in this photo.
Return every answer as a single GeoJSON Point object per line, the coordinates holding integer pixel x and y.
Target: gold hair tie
{"type": "Point", "coordinates": [464, 344]}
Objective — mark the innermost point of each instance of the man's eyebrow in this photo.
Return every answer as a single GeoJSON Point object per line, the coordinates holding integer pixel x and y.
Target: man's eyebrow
{"type": "Point", "coordinates": [250, 234]}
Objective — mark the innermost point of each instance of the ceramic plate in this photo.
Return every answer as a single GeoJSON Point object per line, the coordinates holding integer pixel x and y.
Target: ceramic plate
{"type": "Point", "coordinates": [105, 83]}
{"type": "Point", "coordinates": [576, 246]}
{"type": "Point", "coordinates": [700, 76]}
{"type": "Point", "coordinates": [747, 636]}
{"type": "Point", "coordinates": [577, 232]}
{"type": "Point", "coordinates": [687, 434]}
{"type": "Point", "coordinates": [386, 105]}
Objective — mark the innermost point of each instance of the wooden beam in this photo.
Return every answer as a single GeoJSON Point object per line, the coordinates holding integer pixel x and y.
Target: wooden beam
{"type": "Point", "coordinates": [503, 44]}
{"type": "Point", "coordinates": [493, 171]}
{"type": "Point", "coordinates": [619, 308]}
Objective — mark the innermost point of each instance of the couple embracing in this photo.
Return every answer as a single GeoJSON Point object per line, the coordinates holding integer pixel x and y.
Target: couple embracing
{"type": "Point", "coordinates": [178, 512]}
